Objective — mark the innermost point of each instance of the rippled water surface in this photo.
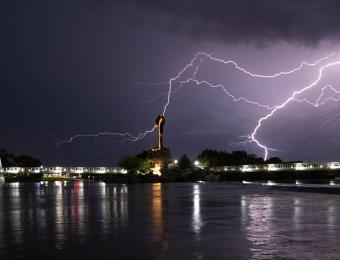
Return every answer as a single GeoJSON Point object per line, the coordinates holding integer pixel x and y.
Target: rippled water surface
{"type": "Point", "coordinates": [65, 220]}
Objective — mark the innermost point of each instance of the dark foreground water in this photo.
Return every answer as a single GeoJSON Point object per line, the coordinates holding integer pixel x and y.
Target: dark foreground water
{"type": "Point", "coordinates": [65, 220]}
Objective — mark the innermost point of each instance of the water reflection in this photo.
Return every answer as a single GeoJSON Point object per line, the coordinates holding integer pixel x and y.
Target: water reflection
{"type": "Point", "coordinates": [244, 209]}
{"type": "Point", "coordinates": [157, 210]}
{"type": "Point", "coordinates": [118, 205]}
{"type": "Point", "coordinates": [104, 208]}
{"type": "Point", "coordinates": [59, 212]}
{"type": "Point", "coordinates": [15, 213]}
{"type": "Point", "coordinates": [165, 221]}
{"type": "Point", "coordinates": [332, 220]}
{"type": "Point", "coordinates": [196, 213]}
{"type": "Point", "coordinates": [77, 209]}
{"type": "Point", "coordinates": [297, 213]}
{"type": "Point", "coordinates": [260, 226]}
{"type": "Point", "coordinates": [274, 223]}
{"type": "Point", "coordinates": [113, 207]}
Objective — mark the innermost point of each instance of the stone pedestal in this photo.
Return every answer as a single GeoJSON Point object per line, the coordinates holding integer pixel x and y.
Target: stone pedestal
{"type": "Point", "coordinates": [159, 160]}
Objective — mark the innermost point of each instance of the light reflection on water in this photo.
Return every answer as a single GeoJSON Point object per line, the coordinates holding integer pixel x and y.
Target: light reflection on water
{"type": "Point", "coordinates": [59, 215]}
{"type": "Point", "coordinates": [165, 221]}
{"type": "Point", "coordinates": [157, 210]}
{"type": "Point", "coordinates": [196, 214]}
{"type": "Point", "coordinates": [259, 228]}
{"type": "Point", "coordinates": [291, 225]}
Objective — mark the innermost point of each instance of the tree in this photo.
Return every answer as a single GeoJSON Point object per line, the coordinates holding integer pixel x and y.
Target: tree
{"type": "Point", "coordinates": [143, 155]}
{"type": "Point", "coordinates": [240, 157]}
{"type": "Point", "coordinates": [7, 159]}
{"type": "Point", "coordinates": [27, 161]}
{"type": "Point", "coordinates": [213, 158]}
{"type": "Point", "coordinates": [134, 164]}
{"type": "Point", "coordinates": [274, 160]}
{"type": "Point", "coordinates": [10, 160]}
{"type": "Point", "coordinates": [184, 162]}
{"type": "Point", "coordinates": [209, 158]}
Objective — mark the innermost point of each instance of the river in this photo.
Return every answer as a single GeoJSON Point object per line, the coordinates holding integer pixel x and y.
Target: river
{"type": "Point", "coordinates": [94, 220]}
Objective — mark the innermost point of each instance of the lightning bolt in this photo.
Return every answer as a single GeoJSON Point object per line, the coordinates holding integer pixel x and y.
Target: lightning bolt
{"type": "Point", "coordinates": [285, 103]}
{"type": "Point", "coordinates": [195, 63]}
{"type": "Point", "coordinates": [320, 101]}
{"type": "Point", "coordinates": [234, 98]}
{"type": "Point", "coordinates": [304, 63]}
{"type": "Point", "coordinates": [127, 136]}
{"type": "Point", "coordinates": [239, 68]}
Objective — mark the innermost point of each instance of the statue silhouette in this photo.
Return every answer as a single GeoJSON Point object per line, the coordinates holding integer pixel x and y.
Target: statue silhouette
{"type": "Point", "coordinates": [160, 122]}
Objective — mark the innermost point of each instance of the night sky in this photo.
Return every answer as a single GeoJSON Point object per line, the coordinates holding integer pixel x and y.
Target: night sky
{"type": "Point", "coordinates": [70, 67]}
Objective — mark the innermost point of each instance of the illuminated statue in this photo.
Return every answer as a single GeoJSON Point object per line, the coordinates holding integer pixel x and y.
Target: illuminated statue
{"type": "Point", "coordinates": [160, 122]}
{"type": "Point", "coordinates": [160, 155]}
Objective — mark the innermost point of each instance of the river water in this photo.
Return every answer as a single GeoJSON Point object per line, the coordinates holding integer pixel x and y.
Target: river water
{"type": "Point", "coordinates": [83, 220]}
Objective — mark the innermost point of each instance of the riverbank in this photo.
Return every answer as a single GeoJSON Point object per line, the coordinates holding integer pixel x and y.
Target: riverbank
{"type": "Point", "coordinates": [179, 176]}
{"type": "Point", "coordinates": [316, 186]}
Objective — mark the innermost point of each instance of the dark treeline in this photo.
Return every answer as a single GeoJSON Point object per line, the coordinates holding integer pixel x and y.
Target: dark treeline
{"type": "Point", "coordinates": [213, 158]}
{"type": "Point", "coordinates": [208, 158]}
{"type": "Point", "coordinates": [10, 160]}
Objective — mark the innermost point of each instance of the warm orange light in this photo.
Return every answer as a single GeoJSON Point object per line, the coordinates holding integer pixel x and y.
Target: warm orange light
{"type": "Point", "coordinates": [157, 210]}
{"type": "Point", "coordinates": [156, 170]}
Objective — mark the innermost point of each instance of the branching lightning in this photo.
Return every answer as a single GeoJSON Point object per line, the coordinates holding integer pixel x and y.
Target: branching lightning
{"type": "Point", "coordinates": [239, 68]}
{"type": "Point", "coordinates": [194, 66]}
{"type": "Point", "coordinates": [320, 101]}
{"type": "Point", "coordinates": [285, 103]}
{"type": "Point", "coordinates": [127, 136]}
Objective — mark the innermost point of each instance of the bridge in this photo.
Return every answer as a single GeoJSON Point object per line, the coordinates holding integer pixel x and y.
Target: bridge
{"type": "Point", "coordinates": [279, 167]}
{"type": "Point", "coordinates": [58, 171]}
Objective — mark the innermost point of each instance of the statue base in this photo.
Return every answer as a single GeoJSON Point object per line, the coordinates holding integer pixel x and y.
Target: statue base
{"type": "Point", "coordinates": [159, 159]}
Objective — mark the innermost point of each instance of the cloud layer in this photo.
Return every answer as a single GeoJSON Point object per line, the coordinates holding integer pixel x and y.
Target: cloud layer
{"type": "Point", "coordinates": [305, 22]}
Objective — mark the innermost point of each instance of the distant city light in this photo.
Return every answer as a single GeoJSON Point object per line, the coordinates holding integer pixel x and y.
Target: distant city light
{"type": "Point", "coordinates": [196, 163]}
{"type": "Point", "coordinates": [175, 161]}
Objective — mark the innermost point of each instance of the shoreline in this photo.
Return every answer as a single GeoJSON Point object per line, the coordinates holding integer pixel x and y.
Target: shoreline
{"type": "Point", "coordinates": [330, 188]}
{"type": "Point", "coordinates": [181, 176]}
{"type": "Point", "coordinates": [313, 184]}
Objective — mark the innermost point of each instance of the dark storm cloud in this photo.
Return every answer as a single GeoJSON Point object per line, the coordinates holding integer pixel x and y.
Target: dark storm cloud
{"type": "Point", "coordinates": [305, 22]}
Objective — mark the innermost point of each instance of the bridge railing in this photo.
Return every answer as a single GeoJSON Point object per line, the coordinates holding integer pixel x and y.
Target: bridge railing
{"type": "Point", "coordinates": [64, 170]}
{"type": "Point", "coordinates": [278, 167]}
